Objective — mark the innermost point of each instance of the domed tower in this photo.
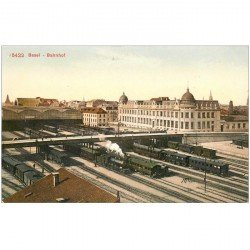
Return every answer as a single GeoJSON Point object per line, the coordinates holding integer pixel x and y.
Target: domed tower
{"type": "Point", "coordinates": [123, 99]}
{"type": "Point", "coordinates": [187, 100]}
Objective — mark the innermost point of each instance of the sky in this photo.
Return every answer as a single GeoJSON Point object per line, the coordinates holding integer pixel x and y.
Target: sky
{"type": "Point", "coordinates": [142, 72]}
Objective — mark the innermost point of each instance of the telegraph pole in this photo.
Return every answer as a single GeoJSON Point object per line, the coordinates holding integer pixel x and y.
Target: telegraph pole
{"type": "Point", "coordinates": [205, 178]}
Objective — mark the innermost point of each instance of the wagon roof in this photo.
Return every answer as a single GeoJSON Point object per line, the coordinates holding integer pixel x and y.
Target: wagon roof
{"type": "Point", "coordinates": [23, 168]}
{"type": "Point", "coordinates": [10, 160]}
{"type": "Point", "coordinates": [146, 162]}
{"type": "Point", "coordinates": [58, 153]}
{"type": "Point", "coordinates": [214, 162]}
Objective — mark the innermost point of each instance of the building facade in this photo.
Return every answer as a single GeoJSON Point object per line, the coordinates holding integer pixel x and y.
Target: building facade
{"type": "Point", "coordinates": [94, 117]}
{"type": "Point", "coordinates": [112, 109]}
{"type": "Point", "coordinates": [234, 123]}
{"type": "Point", "coordinates": [186, 114]}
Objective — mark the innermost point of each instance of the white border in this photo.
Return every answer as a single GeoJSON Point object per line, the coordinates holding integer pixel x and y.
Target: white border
{"type": "Point", "coordinates": [125, 226]}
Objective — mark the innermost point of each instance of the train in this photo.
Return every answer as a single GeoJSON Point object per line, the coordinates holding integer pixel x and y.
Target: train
{"type": "Point", "coordinates": [99, 155]}
{"type": "Point", "coordinates": [241, 143]}
{"type": "Point", "coordinates": [50, 128]}
{"type": "Point", "coordinates": [131, 163]}
{"type": "Point", "coordinates": [208, 165]}
{"type": "Point", "coordinates": [23, 172]}
{"type": "Point", "coordinates": [193, 149]}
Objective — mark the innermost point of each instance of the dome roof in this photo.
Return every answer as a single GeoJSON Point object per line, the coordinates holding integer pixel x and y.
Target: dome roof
{"type": "Point", "coordinates": [188, 96]}
{"type": "Point", "coordinates": [187, 99]}
{"type": "Point", "coordinates": [123, 98]}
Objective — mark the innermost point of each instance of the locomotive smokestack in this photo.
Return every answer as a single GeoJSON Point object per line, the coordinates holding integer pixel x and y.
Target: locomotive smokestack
{"type": "Point", "coordinates": [56, 179]}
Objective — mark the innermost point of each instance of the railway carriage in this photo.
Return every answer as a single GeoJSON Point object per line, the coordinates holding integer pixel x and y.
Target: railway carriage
{"type": "Point", "coordinates": [146, 150]}
{"type": "Point", "coordinates": [173, 144]}
{"type": "Point", "coordinates": [10, 163]}
{"type": "Point", "coordinates": [186, 148]}
{"type": "Point", "coordinates": [59, 156]}
{"type": "Point", "coordinates": [50, 128]}
{"type": "Point", "coordinates": [91, 153]}
{"type": "Point", "coordinates": [73, 148]}
{"type": "Point", "coordinates": [148, 167]}
{"type": "Point", "coordinates": [21, 169]}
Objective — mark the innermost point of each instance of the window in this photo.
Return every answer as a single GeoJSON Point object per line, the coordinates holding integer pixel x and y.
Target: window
{"type": "Point", "coordinates": [176, 114]}
{"type": "Point", "coordinates": [172, 124]}
{"type": "Point", "coordinates": [186, 125]}
{"type": "Point", "coordinates": [176, 124]}
{"type": "Point", "coordinates": [238, 125]}
{"type": "Point", "coordinates": [208, 115]}
{"type": "Point", "coordinates": [199, 115]}
{"type": "Point", "coordinates": [192, 124]}
{"type": "Point", "coordinates": [208, 124]}
{"type": "Point", "coordinates": [212, 114]}
{"type": "Point", "coordinates": [203, 125]}
{"type": "Point", "coordinates": [203, 115]}
{"type": "Point", "coordinates": [181, 114]}
{"type": "Point", "coordinates": [192, 115]}
{"type": "Point", "coordinates": [199, 125]}
{"type": "Point", "coordinates": [172, 114]}
{"type": "Point", "coordinates": [182, 125]}
{"type": "Point", "coordinates": [187, 115]}
{"type": "Point", "coordinates": [244, 125]}
{"type": "Point", "coordinates": [168, 123]}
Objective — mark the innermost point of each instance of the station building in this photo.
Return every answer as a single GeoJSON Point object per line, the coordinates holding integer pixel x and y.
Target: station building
{"type": "Point", "coordinates": [180, 115]}
{"type": "Point", "coordinates": [18, 117]}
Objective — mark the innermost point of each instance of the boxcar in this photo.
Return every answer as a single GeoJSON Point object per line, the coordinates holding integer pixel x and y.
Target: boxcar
{"type": "Point", "coordinates": [10, 163]}
{"type": "Point", "coordinates": [198, 150]}
{"type": "Point", "coordinates": [210, 153]}
{"type": "Point", "coordinates": [59, 156]}
{"type": "Point", "coordinates": [21, 169]}
{"type": "Point", "coordinates": [31, 177]}
{"type": "Point", "coordinates": [186, 148]}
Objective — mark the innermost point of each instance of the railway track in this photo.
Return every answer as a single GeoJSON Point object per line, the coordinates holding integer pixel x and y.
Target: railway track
{"type": "Point", "coordinates": [137, 191]}
{"type": "Point", "coordinates": [106, 187]}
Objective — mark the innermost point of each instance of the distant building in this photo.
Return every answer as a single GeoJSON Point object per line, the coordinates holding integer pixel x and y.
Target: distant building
{"type": "Point", "coordinates": [94, 103]}
{"type": "Point", "coordinates": [94, 117]}
{"type": "Point", "coordinates": [234, 123]}
{"type": "Point", "coordinates": [18, 117]}
{"type": "Point", "coordinates": [62, 186]}
{"type": "Point", "coordinates": [186, 114]}
{"type": "Point", "coordinates": [112, 109]}
{"type": "Point", "coordinates": [35, 102]}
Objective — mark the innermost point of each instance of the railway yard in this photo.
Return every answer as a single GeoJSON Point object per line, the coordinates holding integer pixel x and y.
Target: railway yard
{"type": "Point", "coordinates": [169, 181]}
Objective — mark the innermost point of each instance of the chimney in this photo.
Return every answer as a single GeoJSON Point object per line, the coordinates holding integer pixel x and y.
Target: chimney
{"type": "Point", "coordinates": [118, 200]}
{"type": "Point", "coordinates": [56, 180]}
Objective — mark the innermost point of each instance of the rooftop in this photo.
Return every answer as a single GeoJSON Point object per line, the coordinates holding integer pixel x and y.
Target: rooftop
{"type": "Point", "coordinates": [71, 188]}
{"type": "Point", "coordinates": [94, 110]}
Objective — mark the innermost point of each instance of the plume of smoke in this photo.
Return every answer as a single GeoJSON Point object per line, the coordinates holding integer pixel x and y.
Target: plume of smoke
{"type": "Point", "coordinates": [114, 147]}
{"type": "Point", "coordinates": [101, 137]}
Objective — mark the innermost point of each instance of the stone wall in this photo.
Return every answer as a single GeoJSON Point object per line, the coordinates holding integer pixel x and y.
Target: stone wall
{"type": "Point", "coordinates": [194, 138]}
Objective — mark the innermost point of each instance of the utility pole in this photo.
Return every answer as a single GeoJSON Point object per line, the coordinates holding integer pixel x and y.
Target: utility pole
{"type": "Point", "coordinates": [205, 178]}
